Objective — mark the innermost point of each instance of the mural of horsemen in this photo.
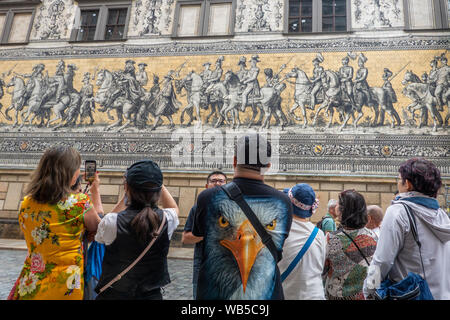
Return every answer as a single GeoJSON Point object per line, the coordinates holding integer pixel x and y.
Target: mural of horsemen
{"type": "Point", "coordinates": [322, 93]}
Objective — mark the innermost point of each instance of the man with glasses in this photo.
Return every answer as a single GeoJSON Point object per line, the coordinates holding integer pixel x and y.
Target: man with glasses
{"type": "Point", "coordinates": [214, 179]}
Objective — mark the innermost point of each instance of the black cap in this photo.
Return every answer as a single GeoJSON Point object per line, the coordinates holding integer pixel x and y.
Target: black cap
{"type": "Point", "coordinates": [143, 172]}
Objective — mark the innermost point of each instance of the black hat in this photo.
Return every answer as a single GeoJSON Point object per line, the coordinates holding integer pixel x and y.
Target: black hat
{"type": "Point", "coordinates": [143, 172]}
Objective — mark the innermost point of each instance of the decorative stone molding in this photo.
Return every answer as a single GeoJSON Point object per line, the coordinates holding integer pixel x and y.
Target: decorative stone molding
{"type": "Point", "coordinates": [376, 14]}
{"type": "Point", "coordinates": [53, 20]}
{"type": "Point", "coordinates": [307, 154]}
{"type": "Point", "coordinates": [151, 17]}
{"type": "Point", "coordinates": [259, 15]}
{"type": "Point", "coordinates": [290, 45]}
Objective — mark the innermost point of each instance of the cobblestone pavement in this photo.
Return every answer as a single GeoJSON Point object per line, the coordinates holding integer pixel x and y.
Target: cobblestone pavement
{"type": "Point", "coordinates": [180, 271]}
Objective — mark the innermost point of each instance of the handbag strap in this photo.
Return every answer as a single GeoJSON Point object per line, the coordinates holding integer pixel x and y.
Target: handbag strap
{"type": "Point", "coordinates": [412, 222]}
{"type": "Point", "coordinates": [120, 275]}
{"type": "Point", "coordinates": [300, 254]}
{"type": "Point", "coordinates": [235, 194]}
{"type": "Point", "coordinates": [368, 264]}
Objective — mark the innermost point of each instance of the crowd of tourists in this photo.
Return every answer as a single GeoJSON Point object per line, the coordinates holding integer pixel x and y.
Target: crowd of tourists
{"type": "Point", "coordinates": [251, 240]}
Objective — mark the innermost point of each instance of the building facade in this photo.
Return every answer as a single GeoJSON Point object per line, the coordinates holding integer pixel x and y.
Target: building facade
{"type": "Point", "coordinates": [345, 90]}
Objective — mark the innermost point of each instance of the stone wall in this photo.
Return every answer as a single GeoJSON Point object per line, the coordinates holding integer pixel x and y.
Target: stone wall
{"type": "Point", "coordinates": [185, 188]}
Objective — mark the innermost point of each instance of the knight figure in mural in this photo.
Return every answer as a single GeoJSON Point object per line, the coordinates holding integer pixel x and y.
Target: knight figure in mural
{"type": "Point", "coordinates": [274, 81]}
{"type": "Point", "coordinates": [346, 76]}
{"type": "Point", "coordinates": [87, 99]}
{"type": "Point", "coordinates": [442, 93]}
{"type": "Point", "coordinates": [215, 75]}
{"type": "Point", "coordinates": [242, 72]}
{"type": "Point", "coordinates": [251, 83]}
{"type": "Point", "coordinates": [134, 91]}
{"type": "Point", "coordinates": [361, 84]}
{"type": "Point", "coordinates": [316, 79]}
{"type": "Point", "coordinates": [166, 103]}
{"type": "Point", "coordinates": [423, 95]}
{"type": "Point", "coordinates": [22, 92]}
{"type": "Point", "coordinates": [141, 75]}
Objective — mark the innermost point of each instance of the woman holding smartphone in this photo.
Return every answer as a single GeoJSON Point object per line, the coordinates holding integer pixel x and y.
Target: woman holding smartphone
{"type": "Point", "coordinates": [129, 229]}
{"type": "Point", "coordinates": [53, 219]}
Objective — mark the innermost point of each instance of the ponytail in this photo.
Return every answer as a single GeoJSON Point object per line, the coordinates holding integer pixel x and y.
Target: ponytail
{"type": "Point", "coordinates": [146, 224]}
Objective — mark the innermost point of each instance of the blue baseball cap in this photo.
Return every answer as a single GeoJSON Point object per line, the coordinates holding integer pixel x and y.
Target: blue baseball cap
{"type": "Point", "coordinates": [303, 199]}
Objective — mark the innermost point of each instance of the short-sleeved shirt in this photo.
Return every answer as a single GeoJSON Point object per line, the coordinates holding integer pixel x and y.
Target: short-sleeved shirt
{"type": "Point", "coordinates": [328, 224]}
{"type": "Point", "coordinates": [54, 266]}
{"type": "Point", "coordinates": [235, 264]}
{"type": "Point", "coordinates": [198, 248]}
{"type": "Point", "coordinates": [107, 228]}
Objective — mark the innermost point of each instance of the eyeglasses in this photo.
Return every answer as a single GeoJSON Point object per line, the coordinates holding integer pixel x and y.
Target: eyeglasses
{"type": "Point", "coordinates": [215, 181]}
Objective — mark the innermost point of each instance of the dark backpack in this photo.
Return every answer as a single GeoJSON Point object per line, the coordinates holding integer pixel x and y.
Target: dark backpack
{"type": "Point", "coordinates": [320, 223]}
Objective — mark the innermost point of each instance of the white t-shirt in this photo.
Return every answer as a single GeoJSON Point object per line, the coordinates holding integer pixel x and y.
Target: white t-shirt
{"type": "Point", "coordinates": [107, 228]}
{"type": "Point", "coordinates": [305, 281]}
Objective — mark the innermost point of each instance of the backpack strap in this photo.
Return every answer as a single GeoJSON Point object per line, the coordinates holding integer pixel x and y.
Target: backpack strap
{"type": "Point", "coordinates": [300, 254]}
{"type": "Point", "coordinates": [235, 194]}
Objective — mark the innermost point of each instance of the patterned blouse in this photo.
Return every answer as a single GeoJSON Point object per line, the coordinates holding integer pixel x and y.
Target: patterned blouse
{"type": "Point", "coordinates": [345, 266]}
{"type": "Point", "coordinates": [54, 266]}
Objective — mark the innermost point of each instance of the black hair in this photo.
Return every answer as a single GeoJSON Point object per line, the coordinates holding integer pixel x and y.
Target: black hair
{"type": "Point", "coordinates": [353, 209]}
{"type": "Point", "coordinates": [146, 222]}
{"type": "Point", "coordinates": [248, 151]}
{"type": "Point", "coordinates": [424, 176]}
{"type": "Point", "coordinates": [214, 173]}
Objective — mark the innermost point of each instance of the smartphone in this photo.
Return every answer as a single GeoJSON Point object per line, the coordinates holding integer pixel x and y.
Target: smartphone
{"type": "Point", "coordinates": [90, 168]}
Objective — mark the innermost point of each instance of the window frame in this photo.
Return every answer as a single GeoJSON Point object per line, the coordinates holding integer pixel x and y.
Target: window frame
{"type": "Point", "coordinates": [10, 8]}
{"type": "Point", "coordinates": [317, 19]}
{"type": "Point", "coordinates": [204, 18]}
{"type": "Point", "coordinates": [440, 17]}
{"type": "Point", "coordinates": [102, 21]}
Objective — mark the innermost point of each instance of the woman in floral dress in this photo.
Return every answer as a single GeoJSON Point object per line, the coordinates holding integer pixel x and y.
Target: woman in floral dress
{"type": "Point", "coordinates": [349, 249]}
{"type": "Point", "coordinates": [53, 221]}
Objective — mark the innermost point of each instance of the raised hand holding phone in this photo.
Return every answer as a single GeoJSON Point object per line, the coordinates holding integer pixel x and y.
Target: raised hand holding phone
{"type": "Point", "coordinates": [90, 167]}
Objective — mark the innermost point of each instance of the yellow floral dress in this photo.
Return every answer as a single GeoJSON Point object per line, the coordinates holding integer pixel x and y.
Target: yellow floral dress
{"type": "Point", "coordinates": [54, 266]}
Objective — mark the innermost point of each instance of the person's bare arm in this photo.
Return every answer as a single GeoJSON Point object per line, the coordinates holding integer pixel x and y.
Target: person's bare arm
{"type": "Point", "coordinates": [189, 238]}
{"type": "Point", "coordinates": [91, 217]}
{"type": "Point", "coordinates": [95, 194]}
{"type": "Point", "coordinates": [120, 205]}
{"type": "Point", "coordinates": [167, 201]}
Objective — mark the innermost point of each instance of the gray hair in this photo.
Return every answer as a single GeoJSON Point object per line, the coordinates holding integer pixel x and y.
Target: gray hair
{"type": "Point", "coordinates": [332, 203]}
{"type": "Point", "coordinates": [375, 212]}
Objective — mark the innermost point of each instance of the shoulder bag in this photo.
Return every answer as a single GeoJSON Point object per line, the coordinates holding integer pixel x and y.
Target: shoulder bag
{"type": "Point", "coordinates": [300, 254]}
{"type": "Point", "coordinates": [413, 286]}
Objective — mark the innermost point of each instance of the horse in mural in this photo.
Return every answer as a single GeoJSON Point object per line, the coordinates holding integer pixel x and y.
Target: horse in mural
{"type": "Point", "coordinates": [421, 96]}
{"type": "Point", "coordinates": [380, 102]}
{"type": "Point", "coordinates": [198, 97]}
{"type": "Point", "coordinates": [302, 94]}
{"type": "Point", "coordinates": [333, 98]}
{"type": "Point", "coordinates": [107, 88]}
{"type": "Point", "coordinates": [192, 84]}
{"type": "Point", "coordinates": [42, 99]}
{"type": "Point", "coordinates": [17, 99]}
{"type": "Point", "coordinates": [230, 91]}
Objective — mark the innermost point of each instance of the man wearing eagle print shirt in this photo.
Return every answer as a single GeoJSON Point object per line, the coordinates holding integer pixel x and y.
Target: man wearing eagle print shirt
{"type": "Point", "coordinates": [236, 265]}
